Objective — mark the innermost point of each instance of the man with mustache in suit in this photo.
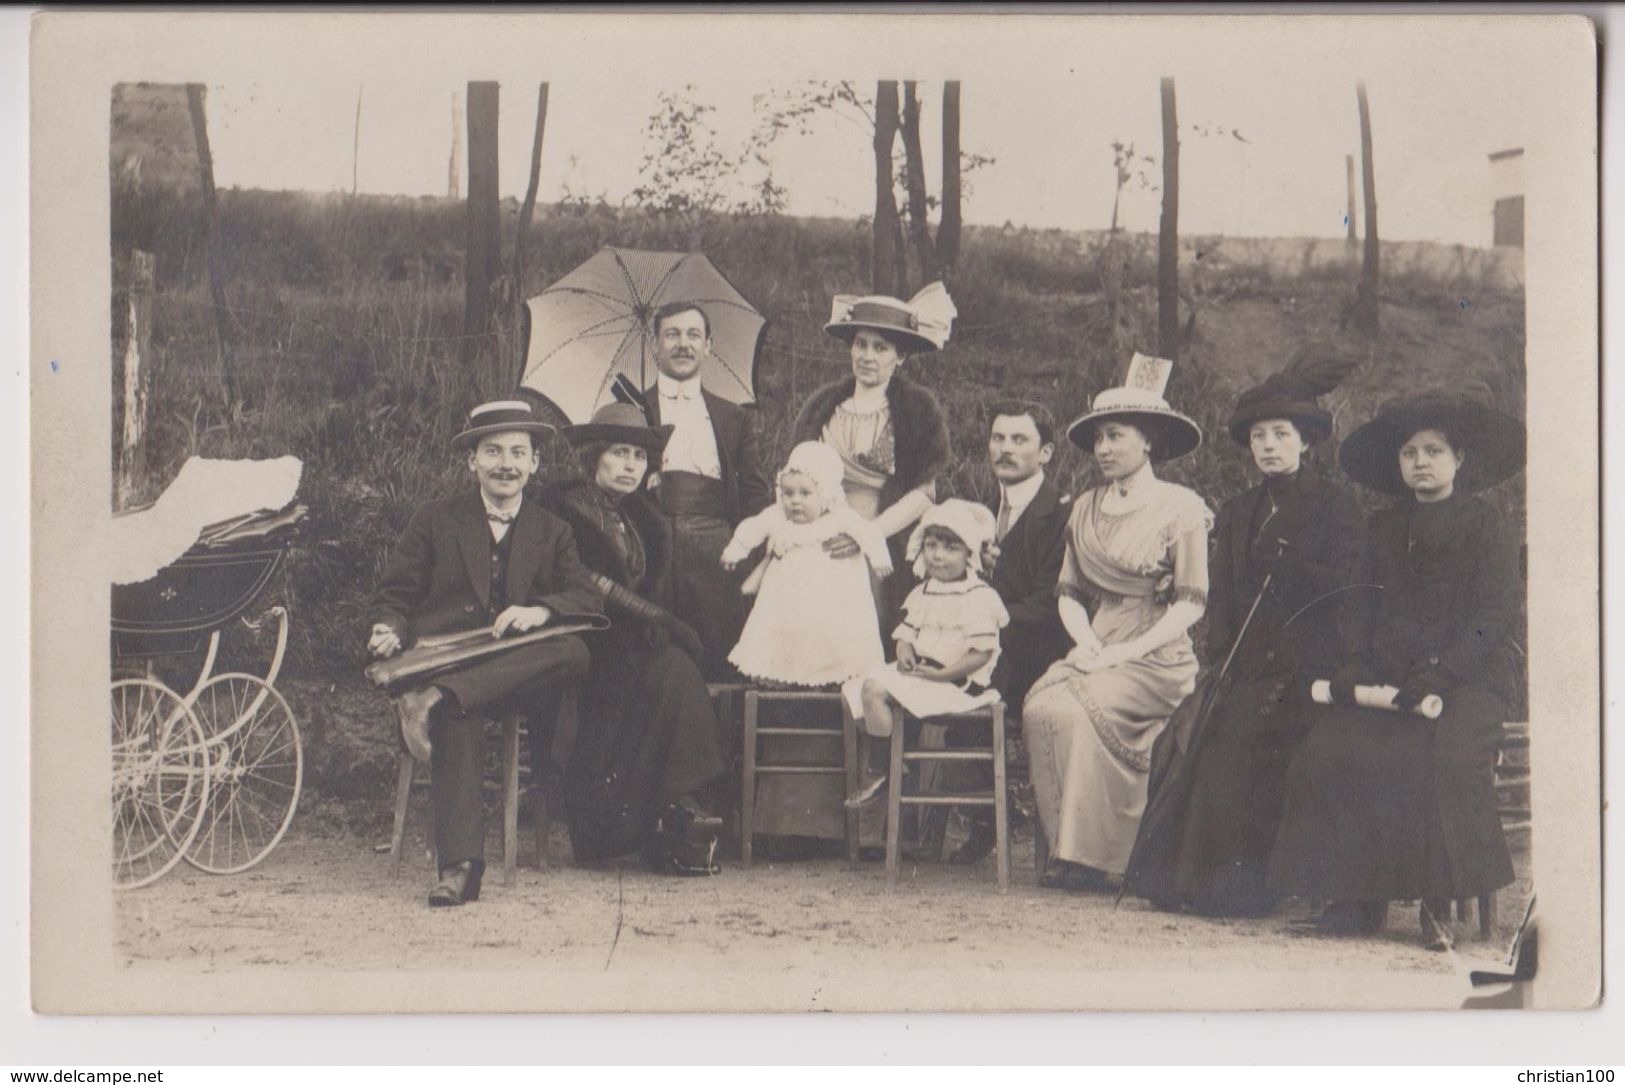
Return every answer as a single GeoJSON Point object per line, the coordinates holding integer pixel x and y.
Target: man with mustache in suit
{"type": "Point", "coordinates": [488, 559]}
{"type": "Point", "coordinates": [1029, 546]}
{"type": "Point", "coordinates": [710, 478]}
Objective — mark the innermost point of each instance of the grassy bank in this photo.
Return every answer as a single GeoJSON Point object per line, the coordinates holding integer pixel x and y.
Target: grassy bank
{"type": "Point", "coordinates": [344, 318]}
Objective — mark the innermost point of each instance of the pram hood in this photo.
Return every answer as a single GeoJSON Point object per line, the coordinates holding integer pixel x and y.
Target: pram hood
{"type": "Point", "coordinates": [204, 493]}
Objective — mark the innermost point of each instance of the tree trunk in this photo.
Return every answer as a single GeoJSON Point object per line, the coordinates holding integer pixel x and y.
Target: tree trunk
{"type": "Point", "coordinates": [949, 228]}
{"type": "Point", "coordinates": [1168, 243]}
{"type": "Point", "coordinates": [528, 208]}
{"type": "Point", "coordinates": [132, 459]}
{"type": "Point", "coordinates": [211, 219]}
{"type": "Point", "coordinates": [355, 149]}
{"type": "Point", "coordinates": [1353, 233]}
{"type": "Point", "coordinates": [483, 238]}
{"type": "Point", "coordinates": [925, 253]}
{"type": "Point", "coordinates": [1365, 299]}
{"type": "Point", "coordinates": [454, 185]}
{"type": "Point", "coordinates": [883, 266]}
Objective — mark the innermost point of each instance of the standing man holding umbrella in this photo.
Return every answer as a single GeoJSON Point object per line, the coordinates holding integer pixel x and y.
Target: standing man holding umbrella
{"type": "Point", "coordinates": [711, 477]}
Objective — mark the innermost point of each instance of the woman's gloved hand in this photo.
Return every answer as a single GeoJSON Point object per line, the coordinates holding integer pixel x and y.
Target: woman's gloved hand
{"type": "Point", "coordinates": [683, 635]}
{"type": "Point", "coordinates": [1424, 680]}
{"type": "Point", "coordinates": [1344, 681]}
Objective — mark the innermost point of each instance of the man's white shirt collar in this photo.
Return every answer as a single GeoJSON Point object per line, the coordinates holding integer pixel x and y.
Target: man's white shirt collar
{"type": "Point", "coordinates": [499, 530]}
{"type": "Point", "coordinates": [1021, 495]}
{"type": "Point", "coordinates": [672, 388]}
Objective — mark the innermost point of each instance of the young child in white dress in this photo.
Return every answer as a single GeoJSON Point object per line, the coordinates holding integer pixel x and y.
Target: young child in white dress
{"type": "Point", "coordinates": [947, 642]}
{"type": "Point", "coordinates": [814, 622]}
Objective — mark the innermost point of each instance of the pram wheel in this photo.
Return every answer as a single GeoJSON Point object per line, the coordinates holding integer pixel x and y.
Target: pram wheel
{"type": "Point", "coordinates": [160, 780]}
{"type": "Point", "coordinates": [256, 765]}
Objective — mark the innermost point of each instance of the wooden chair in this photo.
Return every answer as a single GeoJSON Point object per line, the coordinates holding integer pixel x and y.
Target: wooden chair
{"type": "Point", "coordinates": [843, 739]}
{"type": "Point", "coordinates": [998, 798]}
{"type": "Point", "coordinates": [510, 725]}
{"type": "Point", "coordinates": [1514, 816]}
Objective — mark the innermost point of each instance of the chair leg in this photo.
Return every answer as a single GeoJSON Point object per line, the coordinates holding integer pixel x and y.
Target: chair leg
{"type": "Point", "coordinates": [849, 757]}
{"type": "Point", "coordinates": [1040, 851]}
{"type": "Point", "coordinates": [747, 797]}
{"type": "Point", "coordinates": [894, 804]}
{"type": "Point", "coordinates": [1001, 802]}
{"type": "Point", "coordinates": [1486, 916]}
{"type": "Point", "coordinates": [510, 798]}
{"type": "Point", "coordinates": [539, 821]}
{"type": "Point", "coordinates": [403, 798]}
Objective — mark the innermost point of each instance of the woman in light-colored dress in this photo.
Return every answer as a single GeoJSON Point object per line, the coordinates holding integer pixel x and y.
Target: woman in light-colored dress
{"type": "Point", "coordinates": [892, 437]}
{"type": "Point", "coordinates": [890, 431]}
{"type": "Point", "coordinates": [1133, 582]}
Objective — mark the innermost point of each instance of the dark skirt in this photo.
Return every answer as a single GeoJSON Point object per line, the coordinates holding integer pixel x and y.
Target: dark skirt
{"type": "Point", "coordinates": [646, 737]}
{"type": "Point", "coordinates": [1213, 810]}
{"type": "Point", "coordinates": [1387, 805]}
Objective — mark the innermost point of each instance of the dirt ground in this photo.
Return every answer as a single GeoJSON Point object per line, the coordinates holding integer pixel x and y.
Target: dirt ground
{"type": "Point", "coordinates": [327, 898]}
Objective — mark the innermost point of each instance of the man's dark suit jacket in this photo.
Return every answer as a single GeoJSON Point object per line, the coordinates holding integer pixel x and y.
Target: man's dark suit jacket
{"type": "Point", "coordinates": [438, 579]}
{"type": "Point", "coordinates": [738, 450]}
{"type": "Point", "coordinates": [1025, 575]}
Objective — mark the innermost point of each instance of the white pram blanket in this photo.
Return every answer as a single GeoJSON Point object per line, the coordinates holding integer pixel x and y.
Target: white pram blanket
{"type": "Point", "coordinates": [205, 492]}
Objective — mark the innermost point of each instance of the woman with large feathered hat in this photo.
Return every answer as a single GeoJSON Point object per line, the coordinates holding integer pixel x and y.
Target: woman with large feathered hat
{"type": "Point", "coordinates": [1133, 582]}
{"type": "Point", "coordinates": [1382, 803]}
{"type": "Point", "coordinates": [1288, 543]}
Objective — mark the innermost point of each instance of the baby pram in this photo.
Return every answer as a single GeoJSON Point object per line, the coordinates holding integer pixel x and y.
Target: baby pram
{"type": "Point", "coordinates": [212, 775]}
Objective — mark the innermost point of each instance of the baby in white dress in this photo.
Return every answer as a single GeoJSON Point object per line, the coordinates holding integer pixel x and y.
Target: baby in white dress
{"type": "Point", "coordinates": [947, 642]}
{"type": "Point", "coordinates": [814, 622]}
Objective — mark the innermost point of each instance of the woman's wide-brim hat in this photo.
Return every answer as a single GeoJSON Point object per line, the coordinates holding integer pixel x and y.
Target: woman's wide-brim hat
{"type": "Point", "coordinates": [916, 326]}
{"type": "Point", "coordinates": [500, 416]}
{"type": "Point", "coordinates": [620, 424]}
{"type": "Point", "coordinates": [1264, 404]}
{"type": "Point", "coordinates": [1293, 394]}
{"type": "Point", "coordinates": [1491, 443]}
{"type": "Point", "coordinates": [1171, 433]}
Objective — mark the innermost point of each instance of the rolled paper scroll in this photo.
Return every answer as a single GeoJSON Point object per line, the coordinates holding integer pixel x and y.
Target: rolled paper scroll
{"type": "Point", "coordinates": [1431, 706]}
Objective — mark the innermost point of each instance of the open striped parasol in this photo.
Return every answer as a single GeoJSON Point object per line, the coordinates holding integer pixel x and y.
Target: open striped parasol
{"type": "Point", "coordinates": [593, 324]}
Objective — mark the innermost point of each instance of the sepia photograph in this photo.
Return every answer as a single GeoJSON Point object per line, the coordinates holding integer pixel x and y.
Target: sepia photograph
{"type": "Point", "coordinates": [880, 512]}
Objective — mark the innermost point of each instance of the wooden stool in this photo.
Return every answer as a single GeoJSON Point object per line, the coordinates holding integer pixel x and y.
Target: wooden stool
{"type": "Point", "coordinates": [999, 799]}
{"type": "Point", "coordinates": [510, 803]}
{"type": "Point", "coordinates": [754, 699]}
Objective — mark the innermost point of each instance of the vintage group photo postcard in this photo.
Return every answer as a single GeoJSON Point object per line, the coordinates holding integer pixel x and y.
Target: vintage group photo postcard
{"type": "Point", "coordinates": [591, 511]}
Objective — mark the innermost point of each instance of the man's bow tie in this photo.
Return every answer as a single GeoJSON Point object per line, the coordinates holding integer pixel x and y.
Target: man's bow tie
{"type": "Point", "coordinates": [684, 392]}
{"type": "Point", "coordinates": [500, 517]}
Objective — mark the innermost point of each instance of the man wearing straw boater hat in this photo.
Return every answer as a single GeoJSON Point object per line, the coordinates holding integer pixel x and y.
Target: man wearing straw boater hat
{"type": "Point", "coordinates": [487, 559]}
{"type": "Point", "coordinates": [710, 478]}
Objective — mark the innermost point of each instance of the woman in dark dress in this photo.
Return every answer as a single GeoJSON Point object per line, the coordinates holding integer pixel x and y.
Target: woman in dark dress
{"type": "Point", "coordinates": [1215, 796]}
{"type": "Point", "coordinates": [647, 746]}
{"type": "Point", "coordinates": [1382, 803]}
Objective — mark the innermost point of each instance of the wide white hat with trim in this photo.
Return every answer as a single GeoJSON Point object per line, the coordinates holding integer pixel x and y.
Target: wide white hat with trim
{"type": "Point", "coordinates": [1139, 402]}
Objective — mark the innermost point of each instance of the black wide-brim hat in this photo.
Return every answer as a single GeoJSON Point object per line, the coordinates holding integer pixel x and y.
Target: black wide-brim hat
{"type": "Point", "coordinates": [1172, 434]}
{"type": "Point", "coordinates": [1263, 403]}
{"type": "Point", "coordinates": [500, 416]}
{"type": "Point", "coordinates": [1492, 444]}
{"type": "Point", "coordinates": [1293, 393]}
{"type": "Point", "coordinates": [620, 424]}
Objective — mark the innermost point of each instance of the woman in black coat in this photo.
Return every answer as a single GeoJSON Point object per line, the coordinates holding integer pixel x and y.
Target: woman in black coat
{"type": "Point", "coordinates": [1384, 804]}
{"type": "Point", "coordinates": [1290, 543]}
{"type": "Point", "coordinates": [647, 747]}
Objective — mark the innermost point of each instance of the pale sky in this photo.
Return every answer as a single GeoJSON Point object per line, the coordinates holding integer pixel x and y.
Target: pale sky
{"type": "Point", "coordinates": [1050, 129]}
